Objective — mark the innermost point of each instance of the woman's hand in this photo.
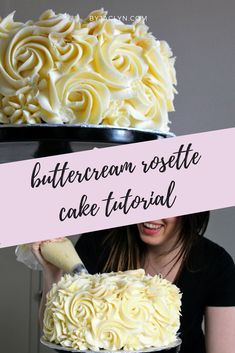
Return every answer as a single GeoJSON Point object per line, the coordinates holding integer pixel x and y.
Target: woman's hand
{"type": "Point", "coordinates": [46, 266]}
{"type": "Point", "coordinates": [51, 274]}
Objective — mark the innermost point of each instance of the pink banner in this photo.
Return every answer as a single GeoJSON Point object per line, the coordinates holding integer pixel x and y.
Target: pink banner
{"type": "Point", "coordinates": [79, 192]}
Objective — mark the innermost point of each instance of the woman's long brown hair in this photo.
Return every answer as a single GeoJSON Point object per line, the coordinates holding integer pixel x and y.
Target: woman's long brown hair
{"type": "Point", "coordinates": [127, 251]}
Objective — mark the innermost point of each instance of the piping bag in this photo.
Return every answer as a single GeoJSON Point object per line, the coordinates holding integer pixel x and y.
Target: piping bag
{"type": "Point", "coordinates": [59, 252]}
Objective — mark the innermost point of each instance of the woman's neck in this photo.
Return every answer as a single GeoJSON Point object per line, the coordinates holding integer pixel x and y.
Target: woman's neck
{"type": "Point", "coordinates": [164, 260]}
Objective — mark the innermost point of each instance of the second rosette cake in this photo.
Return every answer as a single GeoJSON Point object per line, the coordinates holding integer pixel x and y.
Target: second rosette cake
{"type": "Point", "coordinates": [112, 311]}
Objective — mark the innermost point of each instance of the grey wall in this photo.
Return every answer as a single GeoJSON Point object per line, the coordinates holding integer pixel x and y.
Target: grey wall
{"type": "Point", "coordinates": [201, 34]}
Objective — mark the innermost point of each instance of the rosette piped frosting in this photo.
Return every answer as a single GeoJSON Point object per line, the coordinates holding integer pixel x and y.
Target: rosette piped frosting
{"type": "Point", "coordinates": [124, 310]}
{"type": "Point", "coordinates": [64, 69]}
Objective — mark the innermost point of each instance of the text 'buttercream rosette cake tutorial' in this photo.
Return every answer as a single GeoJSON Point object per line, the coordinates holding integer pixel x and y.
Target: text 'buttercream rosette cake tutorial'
{"type": "Point", "coordinates": [92, 73]}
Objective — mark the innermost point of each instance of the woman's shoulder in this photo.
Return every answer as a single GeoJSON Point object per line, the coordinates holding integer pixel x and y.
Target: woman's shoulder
{"type": "Point", "coordinates": [209, 249]}
{"type": "Point", "coordinates": [210, 271]}
{"type": "Point", "coordinates": [219, 275]}
{"type": "Point", "coordinates": [211, 259]}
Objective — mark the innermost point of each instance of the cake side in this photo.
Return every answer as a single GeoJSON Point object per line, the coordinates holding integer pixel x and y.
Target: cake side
{"type": "Point", "coordinates": [64, 69]}
{"type": "Point", "coordinates": [113, 311]}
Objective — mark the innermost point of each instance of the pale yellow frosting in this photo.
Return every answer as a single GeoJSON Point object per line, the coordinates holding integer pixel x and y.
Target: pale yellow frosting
{"type": "Point", "coordinates": [123, 310]}
{"type": "Point", "coordinates": [62, 69]}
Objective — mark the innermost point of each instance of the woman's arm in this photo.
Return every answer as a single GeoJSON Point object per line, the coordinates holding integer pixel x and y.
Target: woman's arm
{"type": "Point", "coordinates": [51, 274]}
{"type": "Point", "coordinates": [220, 329]}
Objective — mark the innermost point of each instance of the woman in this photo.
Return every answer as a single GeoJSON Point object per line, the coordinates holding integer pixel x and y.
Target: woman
{"type": "Point", "coordinates": [176, 249]}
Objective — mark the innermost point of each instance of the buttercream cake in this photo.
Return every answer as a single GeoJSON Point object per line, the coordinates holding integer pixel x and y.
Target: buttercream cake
{"type": "Point", "coordinates": [64, 69]}
{"type": "Point", "coordinates": [112, 311]}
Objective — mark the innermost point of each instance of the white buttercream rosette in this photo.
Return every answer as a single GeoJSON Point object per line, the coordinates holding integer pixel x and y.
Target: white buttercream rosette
{"type": "Point", "coordinates": [62, 69]}
{"type": "Point", "coordinates": [123, 310]}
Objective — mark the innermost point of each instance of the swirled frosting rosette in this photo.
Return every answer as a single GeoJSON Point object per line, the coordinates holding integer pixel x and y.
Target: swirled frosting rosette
{"type": "Point", "coordinates": [63, 69]}
{"type": "Point", "coordinates": [124, 310]}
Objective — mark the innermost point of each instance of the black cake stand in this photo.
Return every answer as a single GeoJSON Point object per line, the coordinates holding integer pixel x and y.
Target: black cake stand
{"type": "Point", "coordinates": [19, 142]}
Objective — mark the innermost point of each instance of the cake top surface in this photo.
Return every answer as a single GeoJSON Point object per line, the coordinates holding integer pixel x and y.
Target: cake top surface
{"type": "Point", "coordinates": [64, 69]}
